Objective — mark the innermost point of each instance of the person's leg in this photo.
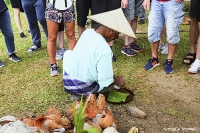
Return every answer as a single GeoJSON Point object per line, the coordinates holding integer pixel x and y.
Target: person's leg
{"type": "Point", "coordinates": [198, 42]}
{"type": "Point", "coordinates": [61, 35]}
{"type": "Point", "coordinates": [138, 9]}
{"type": "Point", "coordinates": [70, 33]}
{"type": "Point", "coordinates": [6, 29]}
{"type": "Point", "coordinates": [51, 45]}
{"type": "Point", "coordinates": [69, 20]}
{"type": "Point", "coordinates": [126, 38]}
{"type": "Point", "coordinates": [156, 22]}
{"type": "Point", "coordinates": [29, 10]}
{"type": "Point", "coordinates": [172, 30]}
{"type": "Point", "coordinates": [17, 19]}
{"type": "Point", "coordinates": [195, 67]}
{"type": "Point", "coordinates": [129, 13]}
{"type": "Point", "coordinates": [82, 8]}
{"type": "Point", "coordinates": [193, 35]}
{"type": "Point", "coordinates": [27, 23]}
{"type": "Point", "coordinates": [40, 13]}
{"type": "Point", "coordinates": [133, 25]}
{"type": "Point", "coordinates": [142, 17]}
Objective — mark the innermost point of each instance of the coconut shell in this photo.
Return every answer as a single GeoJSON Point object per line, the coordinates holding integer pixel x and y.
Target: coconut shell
{"type": "Point", "coordinates": [101, 103]}
{"type": "Point", "coordinates": [92, 108]}
{"type": "Point", "coordinates": [106, 120]}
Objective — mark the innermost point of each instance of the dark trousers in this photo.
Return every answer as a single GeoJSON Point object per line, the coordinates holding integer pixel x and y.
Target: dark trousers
{"type": "Point", "coordinates": [35, 11]}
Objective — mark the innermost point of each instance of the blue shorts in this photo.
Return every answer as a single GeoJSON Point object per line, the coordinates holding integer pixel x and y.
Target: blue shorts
{"type": "Point", "coordinates": [59, 16]}
{"type": "Point", "coordinates": [171, 14]}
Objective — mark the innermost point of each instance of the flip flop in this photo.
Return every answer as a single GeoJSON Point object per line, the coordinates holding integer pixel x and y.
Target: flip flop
{"type": "Point", "coordinates": [190, 58]}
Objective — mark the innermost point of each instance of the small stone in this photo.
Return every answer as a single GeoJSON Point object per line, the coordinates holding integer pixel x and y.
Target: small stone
{"type": "Point", "coordinates": [133, 111]}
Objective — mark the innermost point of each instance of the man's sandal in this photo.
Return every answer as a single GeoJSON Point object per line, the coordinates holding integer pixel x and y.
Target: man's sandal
{"type": "Point", "coordinates": [189, 59]}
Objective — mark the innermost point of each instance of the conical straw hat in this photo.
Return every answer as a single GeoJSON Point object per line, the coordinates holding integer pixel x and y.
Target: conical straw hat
{"type": "Point", "coordinates": [115, 20]}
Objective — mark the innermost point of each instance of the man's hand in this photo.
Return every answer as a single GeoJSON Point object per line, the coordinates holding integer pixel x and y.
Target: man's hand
{"type": "Point", "coordinates": [119, 81]}
{"type": "Point", "coordinates": [124, 3]}
{"type": "Point", "coordinates": [146, 4]}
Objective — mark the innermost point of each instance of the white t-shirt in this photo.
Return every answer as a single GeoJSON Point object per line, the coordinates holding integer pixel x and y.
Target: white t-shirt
{"type": "Point", "coordinates": [60, 4]}
{"type": "Point", "coordinates": [90, 60]}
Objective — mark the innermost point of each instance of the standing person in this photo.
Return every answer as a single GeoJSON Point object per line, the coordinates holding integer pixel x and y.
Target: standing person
{"type": "Point", "coordinates": [91, 71]}
{"type": "Point", "coordinates": [194, 14]}
{"type": "Point", "coordinates": [168, 12]}
{"type": "Point", "coordinates": [35, 11]}
{"type": "Point", "coordinates": [6, 29]}
{"type": "Point", "coordinates": [17, 8]}
{"type": "Point", "coordinates": [194, 32]}
{"type": "Point", "coordinates": [59, 12]}
{"type": "Point", "coordinates": [96, 7]}
{"type": "Point", "coordinates": [132, 12]}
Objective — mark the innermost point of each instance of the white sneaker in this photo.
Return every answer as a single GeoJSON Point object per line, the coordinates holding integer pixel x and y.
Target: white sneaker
{"type": "Point", "coordinates": [194, 67]}
{"type": "Point", "coordinates": [165, 49]}
{"type": "Point", "coordinates": [60, 53]}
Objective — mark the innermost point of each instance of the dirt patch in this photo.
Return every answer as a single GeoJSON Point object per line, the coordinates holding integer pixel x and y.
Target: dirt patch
{"type": "Point", "coordinates": [174, 106]}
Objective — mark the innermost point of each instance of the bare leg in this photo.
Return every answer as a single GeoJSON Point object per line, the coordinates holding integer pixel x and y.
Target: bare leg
{"type": "Point", "coordinates": [126, 40]}
{"type": "Point", "coordinates": [61, 39]}
{"type": "Point", "coordinates": [17, 19]}
{"type": "Point", "coordinates": [81, 30]}
{"type": "Point", "coordinates": [193, 34]}
{"type": "Point", "coordinates": [70, 33]}
{"type": "Point", "coordinates": [134, 27]}
{"type": "Point", "coordinates": [171, 50]}
{"type": "Point", "coordinates": [154, 49]}
{"type": "Point", "coordinates": [52, 36]}
{"type": "Point", "coordinates": [198, 44]}
{"type": "Point", "coordinates": [193, 40]}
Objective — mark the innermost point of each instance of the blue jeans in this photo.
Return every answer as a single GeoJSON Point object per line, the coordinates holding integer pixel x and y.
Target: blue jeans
{"type": "Point", "coordinates": [142, 15]}
{"type": "Point", "coordinates": [170, 13]}
{"type": "Point", "coordinates": [6, 29]}
{"type": "Point", "coordinates": [35, 11]}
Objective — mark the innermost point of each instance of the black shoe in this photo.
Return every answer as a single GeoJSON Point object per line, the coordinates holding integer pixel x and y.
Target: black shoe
{"type": "Point", "coordinates": [135, 47]}
{"type": "Point", "coordinates": [14, 57]}
{"type": "Point", "coordinates": [141, 22]}
{"type": "Point", "coordinates": [128, 51]}
{"type": "Point", "coordinates": [22, 35]}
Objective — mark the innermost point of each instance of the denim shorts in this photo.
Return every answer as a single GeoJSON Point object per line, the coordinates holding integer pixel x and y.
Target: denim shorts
{"type": "Point", "coordinates": [134, 9]}
{"type": "Point", "coordinates": [170, 13]}
{"type": "Point", "coordinates": [59, 16]}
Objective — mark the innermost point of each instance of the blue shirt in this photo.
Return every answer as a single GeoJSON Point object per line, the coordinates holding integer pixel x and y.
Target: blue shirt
{"type": "Point", "coordinates": [90, 60]}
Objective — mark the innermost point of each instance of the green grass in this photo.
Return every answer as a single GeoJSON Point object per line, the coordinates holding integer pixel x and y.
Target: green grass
{"type": "Point", "coordinates": [27, 87]}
